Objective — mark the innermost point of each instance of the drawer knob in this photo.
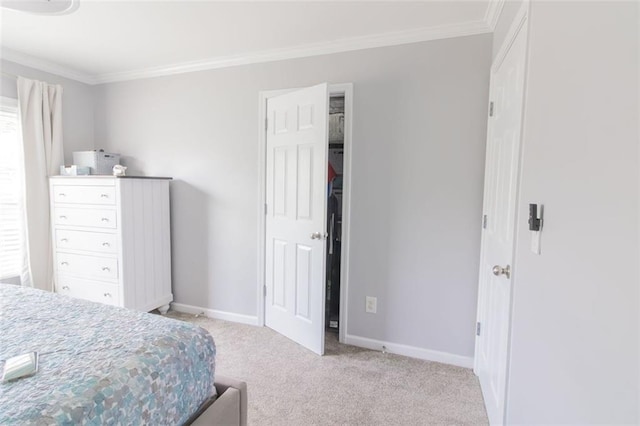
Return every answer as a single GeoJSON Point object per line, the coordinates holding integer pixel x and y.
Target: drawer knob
{"type": "Point", "coordinates": [65, 287]}
{"type": "Point", "coordinates": [107, 295]}
{"type": "Point", "coordinates": [105, 244]}
{"type": "Point", "coordinates": [105, 219]}
{"type": "Point", "coordinates": [62, 194]}
{"type": "Point", "coordinates": [64, 240]}
{"type": "Point", "coordinates": [106, 269]}
{"type": "Point", "coordinates": [64, 263]}
{"type": "Point", "coordinates": [104, 195]}
{"type": "Point", "coordinates": [63, 217]}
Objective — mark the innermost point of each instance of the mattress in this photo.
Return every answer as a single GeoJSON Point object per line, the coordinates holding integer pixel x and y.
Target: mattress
{"type": "Point", "coordinates": [100, 364]}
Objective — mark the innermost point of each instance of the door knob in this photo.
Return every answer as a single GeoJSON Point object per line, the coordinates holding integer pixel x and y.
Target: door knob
{"type": "Point", "coordinates": [499, 270]}
{"type": "Point", "coordinates": [318, 236]}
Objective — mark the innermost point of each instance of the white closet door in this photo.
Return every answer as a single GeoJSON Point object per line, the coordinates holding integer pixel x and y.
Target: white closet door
{"type": "Point", "coordinates": [296, 215]}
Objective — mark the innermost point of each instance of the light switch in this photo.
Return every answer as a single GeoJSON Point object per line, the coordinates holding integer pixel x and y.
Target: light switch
{"type": "Point", "coordinates": [535, 226]}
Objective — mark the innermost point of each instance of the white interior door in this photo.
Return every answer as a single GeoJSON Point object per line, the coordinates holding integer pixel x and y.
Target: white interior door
{"type": "Point", "coordinates": [296, 194]}
{"type": "Point", "coordinates": [501, 180]}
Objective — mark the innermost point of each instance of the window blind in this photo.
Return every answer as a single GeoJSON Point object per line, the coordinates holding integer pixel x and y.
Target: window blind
{"type": "Point", "coordinates": [11, 193]}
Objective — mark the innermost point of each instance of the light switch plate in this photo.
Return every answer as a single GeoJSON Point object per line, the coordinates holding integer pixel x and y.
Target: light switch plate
{"type": "Point", "coordinates": [372, 305]}
{"type": "Point", "coordinates": [535, 242]}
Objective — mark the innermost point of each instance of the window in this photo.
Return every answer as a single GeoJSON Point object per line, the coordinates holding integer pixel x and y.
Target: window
{"type": "Point", "coordinates": [11, 193]}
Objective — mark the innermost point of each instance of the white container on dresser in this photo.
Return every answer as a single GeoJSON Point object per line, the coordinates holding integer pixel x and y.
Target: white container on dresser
{"type": "Point", "coordinates": [112, 240]}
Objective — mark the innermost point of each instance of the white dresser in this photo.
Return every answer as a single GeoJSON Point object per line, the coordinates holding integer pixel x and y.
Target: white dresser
{"type": "Point", "coordinates": [112, 240]}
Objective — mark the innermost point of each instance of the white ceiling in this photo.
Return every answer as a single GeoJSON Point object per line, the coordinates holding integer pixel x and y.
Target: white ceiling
{"type": "Point", "coordinates": [113, 40]}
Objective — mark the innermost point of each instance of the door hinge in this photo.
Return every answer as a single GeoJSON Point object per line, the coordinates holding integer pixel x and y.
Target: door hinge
{"type": "Point", "coordinates": [478, 327]}
{"type": "Point", "coordinates": [491, 109]}
{"type": "Point", "coordinates": [484, 222]}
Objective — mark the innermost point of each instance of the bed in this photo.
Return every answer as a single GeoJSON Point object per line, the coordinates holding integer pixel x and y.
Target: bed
{"type": "Point", "coordinates": [100, 364]}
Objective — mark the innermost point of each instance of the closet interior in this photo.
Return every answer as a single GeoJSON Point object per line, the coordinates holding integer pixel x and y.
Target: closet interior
{"type": "Point", "coordinates": [334, 211]}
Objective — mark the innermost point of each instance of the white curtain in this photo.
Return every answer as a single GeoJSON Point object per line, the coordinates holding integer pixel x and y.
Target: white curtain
{"type": "Point", "coordinates": [40, 109]}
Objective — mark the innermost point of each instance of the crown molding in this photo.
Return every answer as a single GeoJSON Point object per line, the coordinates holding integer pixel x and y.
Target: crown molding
{"type": "Point", "coordinates": [45, 65]}
{"type": "Point", "coordinates": [494, 10]}
{"type": "Point", "coordinates": [303, 51]}
{"type": "Point", "coordinates": [315, 49]}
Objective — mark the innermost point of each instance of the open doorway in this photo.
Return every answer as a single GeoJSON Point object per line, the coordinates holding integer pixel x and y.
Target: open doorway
{"type": "Point", "coordinates": [335, 177]}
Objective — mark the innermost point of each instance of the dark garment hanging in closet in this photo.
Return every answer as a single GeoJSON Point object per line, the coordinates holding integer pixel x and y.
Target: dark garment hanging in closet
{"type": "Point", "coordinates": [333, 256]}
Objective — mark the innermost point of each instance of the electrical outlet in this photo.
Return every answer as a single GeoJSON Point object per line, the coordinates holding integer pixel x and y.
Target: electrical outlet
{"type": "Point", "coordinates": [372, 305]}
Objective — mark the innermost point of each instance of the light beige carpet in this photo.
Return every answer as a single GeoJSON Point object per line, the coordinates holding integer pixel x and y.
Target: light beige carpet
{"type": "Point", "coordinates": [289, 385]}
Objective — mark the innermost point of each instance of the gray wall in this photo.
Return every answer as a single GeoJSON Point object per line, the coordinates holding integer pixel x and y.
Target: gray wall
{"type": "Point", "coordinates": [574, 348]}
{"type": "Point", "coordinates": [418, 158]}
{"type": "Point", "coordinates": [77, 105]}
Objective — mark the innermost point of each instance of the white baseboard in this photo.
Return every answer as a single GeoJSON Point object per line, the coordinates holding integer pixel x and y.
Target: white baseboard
{"type": "Point", "coordinates": [410, 351]}
{"type": "Point", "coordinates": [213, 313]}
{"type": "Point", "coordinates": [350, 339]}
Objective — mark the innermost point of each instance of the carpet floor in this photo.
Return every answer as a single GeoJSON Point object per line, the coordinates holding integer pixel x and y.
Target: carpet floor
{"type": "Point", "coordinates": [289, 385]}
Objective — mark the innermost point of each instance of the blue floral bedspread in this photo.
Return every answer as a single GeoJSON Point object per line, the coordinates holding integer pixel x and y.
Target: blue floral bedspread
{"type": "Point", "coordinates": [100, 365]}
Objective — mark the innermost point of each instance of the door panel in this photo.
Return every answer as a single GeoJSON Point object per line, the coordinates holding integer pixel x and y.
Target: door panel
{"type": "Point", "coordinates": [305, 183]}
{"type": "Point", "coordinates": [296, 196]}
{"type": "Point", "coordinates": [279, 273]}
{"type": "Point", "coordinates": [280, 182]}
{"type": "Point", "coordinates": [501, 184]}
{"type": "Point", "coordinates": [303, 280]}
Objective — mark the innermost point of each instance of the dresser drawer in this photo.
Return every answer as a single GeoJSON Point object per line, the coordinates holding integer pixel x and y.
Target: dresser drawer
{"type": "Point", "coordinates": [105, 268]}
{"type": "Point", "coordinates": [97, 218]}
{"type": "Point", "coordinates": [84, 194]}
{"type": "Point", "coordinates": [89, 290]}
{"type": "Point", "coordinates": [84, 240]}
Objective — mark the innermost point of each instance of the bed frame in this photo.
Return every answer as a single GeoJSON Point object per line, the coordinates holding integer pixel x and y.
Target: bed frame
{"type": "Point", "coordinates": [228, 408]}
